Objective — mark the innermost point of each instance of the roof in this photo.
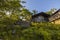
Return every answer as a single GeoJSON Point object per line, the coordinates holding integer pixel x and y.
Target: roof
{"type": "Point", "coordinates": [55, 16]}
{"type": "Point", "coordinates": [40, 14]}
{"type": "Point", "coordinates": [55, 12]}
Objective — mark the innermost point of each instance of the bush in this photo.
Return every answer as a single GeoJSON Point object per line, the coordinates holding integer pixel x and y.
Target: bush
{"type": "Point", "coordinates": [36, 31]}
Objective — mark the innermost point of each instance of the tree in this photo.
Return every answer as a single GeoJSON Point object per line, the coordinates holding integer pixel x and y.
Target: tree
{"type": "Point", "coordinates": [34, 12]}
{"type": "Point", "coordinates": [51, 11]}
{"type": "Point", "coordinates": [25, 14]}
{"type": "Point", "coordinates": [10, 5]}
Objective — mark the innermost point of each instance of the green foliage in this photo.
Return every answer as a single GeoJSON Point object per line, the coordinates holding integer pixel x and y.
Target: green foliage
{"type": "Point", "coordinates": [51, 11]}
{"type": "Point", "coordinates": [42, 31]}
{"type": "Point", "coordinates": [36, 31]}
{"type": "Point", "coordinates": [10, 5]}
{"type": "Point", "coordinates": [25, 14]}
{"type": "Point", "coordinates": [34, 12]}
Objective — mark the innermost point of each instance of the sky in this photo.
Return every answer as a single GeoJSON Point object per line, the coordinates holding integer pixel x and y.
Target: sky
{"type": "Point", "coordinates": [42, 5]}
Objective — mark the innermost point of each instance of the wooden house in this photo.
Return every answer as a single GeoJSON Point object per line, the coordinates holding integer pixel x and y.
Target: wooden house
{"type": "Point", "coordinates": [40, 17]}
{"type": "Point", "coordinates": [55, 18]}
{"type": "Point", "coordinates": [22, 23]}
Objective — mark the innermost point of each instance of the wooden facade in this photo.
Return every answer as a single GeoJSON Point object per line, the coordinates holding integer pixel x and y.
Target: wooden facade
{"type": "Point", "coordinates": [22, 23]}
{"type": "Point", "coordinates": [43, 17]}
{"type": "Point", "coordinates": [40, 17]}
{"type": "Point", "coordinates": [55, 18]}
